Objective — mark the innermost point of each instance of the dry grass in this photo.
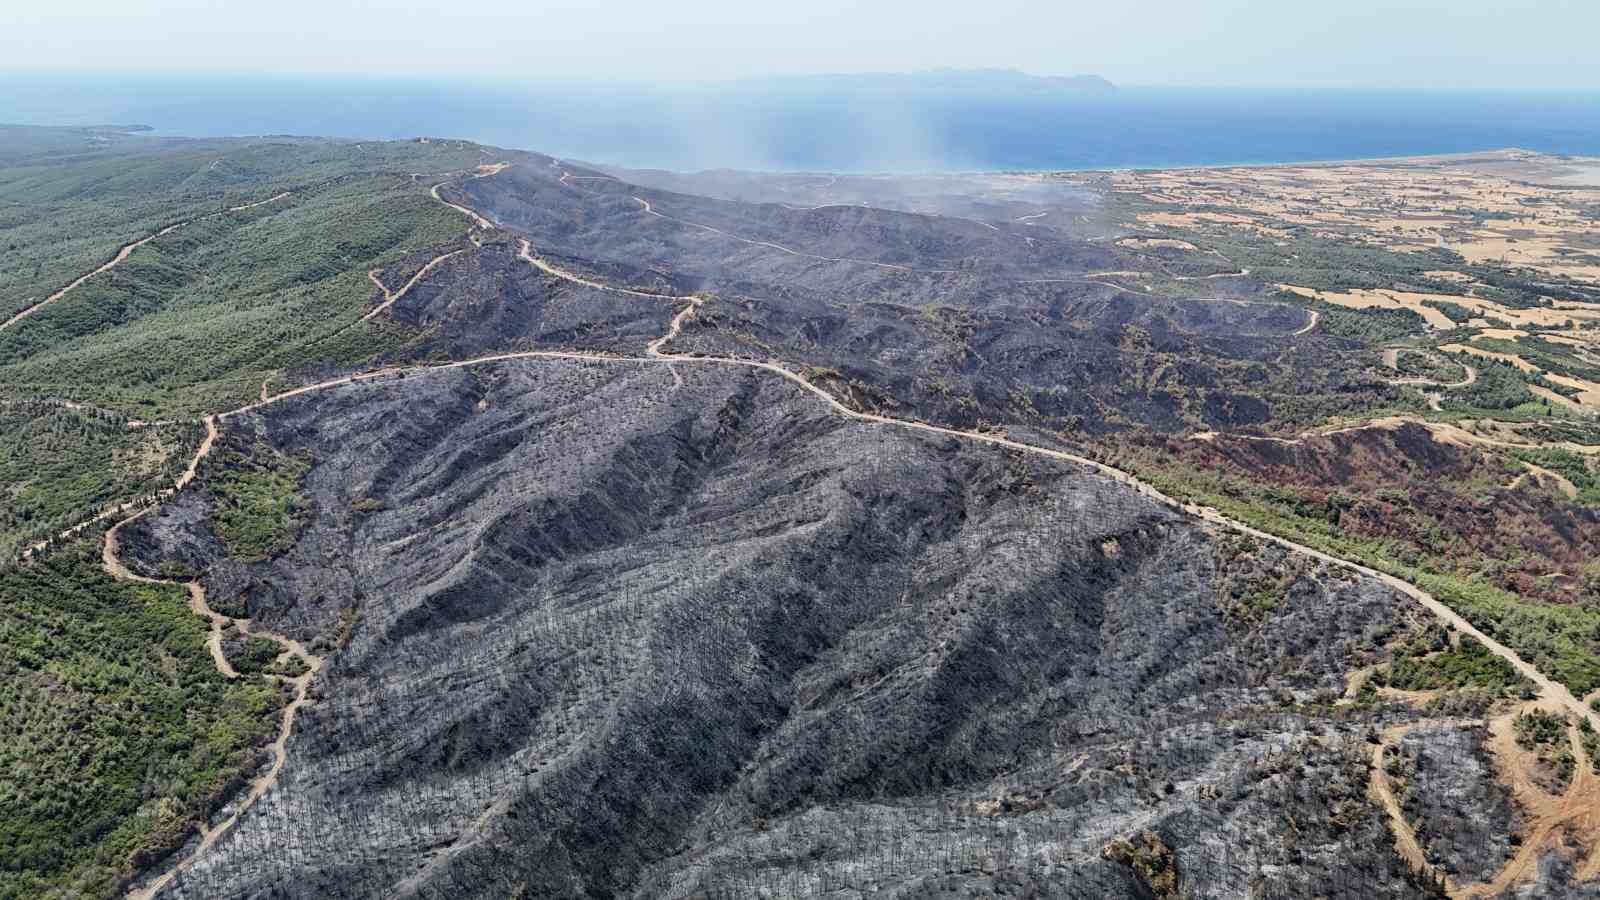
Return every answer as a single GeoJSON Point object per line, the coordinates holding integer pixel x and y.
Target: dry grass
{"type": "Point", "coordinates": [1476, 207]}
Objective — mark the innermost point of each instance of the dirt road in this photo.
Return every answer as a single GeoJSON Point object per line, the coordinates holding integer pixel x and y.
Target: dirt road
{"type": "Point", "coordinates": [1557, 696]}
{"type": "Point", "coordinates": [301, 684]}
{"type": "Point", "coordinates": [390, 298]}
{"type": "Point", "coordinates": [1378, 787]}
{"type": "Point", "coordinates": [1391, 359]}
{"type": "Point", "coordinates": [1553, 693]}
{"type": "Point", "coordinates": [1444, 432]}
{"type": "Point", "coordinates": [1574, 810]}
{"type": "Point", "coordinates": [122, 256]}
{"type": "Point", "coordinates": [478, 220]}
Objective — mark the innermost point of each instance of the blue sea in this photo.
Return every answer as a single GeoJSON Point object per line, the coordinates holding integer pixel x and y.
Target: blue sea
{"type": "Point", "coordinates": [807, 126]}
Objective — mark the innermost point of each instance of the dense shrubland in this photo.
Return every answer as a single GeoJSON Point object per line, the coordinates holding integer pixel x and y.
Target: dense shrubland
{"type": "Point", "coordinates": [119, 732]}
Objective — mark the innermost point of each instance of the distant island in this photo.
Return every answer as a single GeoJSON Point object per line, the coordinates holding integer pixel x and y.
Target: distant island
{"type": "Point", "coordinates": [987, 81]}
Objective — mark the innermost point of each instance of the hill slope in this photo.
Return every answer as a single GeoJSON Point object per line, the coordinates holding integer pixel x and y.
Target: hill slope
{"type": "Point", "coordinates": [637, 631]}
{"type": "Point", "coordinates": [549, 533]}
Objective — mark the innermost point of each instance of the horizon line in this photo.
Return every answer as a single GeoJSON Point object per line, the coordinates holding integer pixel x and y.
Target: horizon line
{"type": "Point", "coordinates": [667, 82]}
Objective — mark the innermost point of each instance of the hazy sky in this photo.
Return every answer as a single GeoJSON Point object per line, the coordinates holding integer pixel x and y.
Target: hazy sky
{"type": "Point", "coordinates": [1356, 43]}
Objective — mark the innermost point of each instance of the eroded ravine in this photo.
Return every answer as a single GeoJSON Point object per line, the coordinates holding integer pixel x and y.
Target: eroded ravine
{"type": "Point", "coordinates": [656, 353]}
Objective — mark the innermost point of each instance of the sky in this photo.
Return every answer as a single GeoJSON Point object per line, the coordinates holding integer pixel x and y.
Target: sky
{"type": "Point", "coordinates": [1411, 44]}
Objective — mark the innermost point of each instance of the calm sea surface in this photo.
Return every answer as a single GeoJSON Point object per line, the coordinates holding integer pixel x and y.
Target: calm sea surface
{"type": "Point", "coordinates": [799, 127]}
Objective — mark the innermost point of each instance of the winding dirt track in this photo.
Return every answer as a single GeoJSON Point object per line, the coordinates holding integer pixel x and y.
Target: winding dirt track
{"type": "Point", "coordinates": [112, 563]}
{"type": "Point", "coordinates": [1558, 693]}
{"type": "Point", "coordinates": [1378, 787]}
{"type": "Point", "coordinates": [133, 505]}
{"type": "Point", "coordinates": [478, 220]}
{"type": "Point", "coordinates": [388, 298]}
{"type": "Point", "coordinates": [1391, 358]}
{"type": "Point", "coordinates": [122, 256]}
{"type": "Point", "coordinates": [483, 171]}
{"type": "Point", "coordinates": [527, 255]}
{"type": "Point", "coordinates": [1444, 432]}
{"type": "Point", "coordinates": [1313, 317]}
{"type": "Point", "coordinates": [1554, 694]}
{"type": "Point", "coordinates": [1310, 324]}
{"type": "Point", "coordinates": [1576, 808]}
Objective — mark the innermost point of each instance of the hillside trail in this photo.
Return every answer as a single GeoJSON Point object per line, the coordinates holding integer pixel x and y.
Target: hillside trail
{"type": "Point", "coordinates": [483, 171]}
{"type": "Point", "coordinates": [1382, 792]}
{"type": "Point", "coordinates": [1574, 813]}
{"type": "Point", "coordinates": [1556, 695]}
{"type": "Point", "coordinates": [1391, 360]}
{"type": "Point", "coordinates": [183, 478]}
{"type": "Point", "coordinates": [1583, 798]}
{"type": "Point", "coordinates": [1242, 273]}
{"type": "Point", "coordinates": [300, 685]}
{"type": "Point", "coordinates": [124, 253]}
{"type": "Point", "coordinates": [478, 220]}
{"type": "Point", "coordinates": [390, 298]}
{"type": "Point", "coordinates": [1576, 809]}
{"type": "Point", "coordinates": [1311, 322]}
{"type": "Point", "coordinates": [1313, 317]}
{"type": "Point", "coordinates": [1545, 478]}
{"type": "Point", "coordinates": [656, 351]}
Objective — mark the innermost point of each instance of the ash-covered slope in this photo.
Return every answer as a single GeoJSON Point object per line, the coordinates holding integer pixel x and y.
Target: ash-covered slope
{"type": "Point", "coordinates": [849, 252]}
{"type": "Point", "coordinates": [649, 629]}
{"type": "Point", "coordinates": [941, 318]}
{"type": "Point", "coordinates": [485, 298]}
{"type": "Point", "coordinates": [1081, 359]}
{"type": "Point", "coordinates": [1068, 207]}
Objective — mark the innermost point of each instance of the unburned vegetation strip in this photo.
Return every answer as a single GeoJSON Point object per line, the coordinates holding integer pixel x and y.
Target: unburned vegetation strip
{"type": "Point", "coordinates": [259, 504]}
{"type": "Point", "coordinates": [192, 321]}
{"type": "Point", "coordinates": [57, 464]}
{"type": "Point", "coordinates": [1562, 641]}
